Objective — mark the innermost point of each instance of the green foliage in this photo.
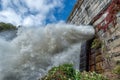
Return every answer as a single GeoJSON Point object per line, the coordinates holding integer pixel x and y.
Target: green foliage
{"type": "Point", "coordinates": [63, 72]}
{"type": "Point", "coordinates": [118, 62]}
{"type": "Point", "coordinates": [96, 43]}
{"type": "Point", "coordinates": [117, 70]}
{"type": "Point", "coordinates": [6, 26]}
{"type": "Point", "coordinates": [92, 76]}
{"type": "Point", "coordinates": [67, 72]}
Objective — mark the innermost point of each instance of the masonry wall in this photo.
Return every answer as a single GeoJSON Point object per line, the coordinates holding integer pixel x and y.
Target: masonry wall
{"type": "Point", "coordinates": [103, 51]}
{"type": "Point", "coordinates": [85, 10]}
{"type": "Point", "coordinates": [107, 54]}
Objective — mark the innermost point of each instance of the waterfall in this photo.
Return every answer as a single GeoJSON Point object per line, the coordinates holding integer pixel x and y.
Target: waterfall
{"type": "Point", "coordinates": [36, 50]}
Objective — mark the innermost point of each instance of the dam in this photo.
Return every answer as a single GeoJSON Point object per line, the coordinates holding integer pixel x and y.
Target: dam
{"type": "Point", "coordinates": [34, 51]}
{"type": "Point", "coordinates": [102, 53]}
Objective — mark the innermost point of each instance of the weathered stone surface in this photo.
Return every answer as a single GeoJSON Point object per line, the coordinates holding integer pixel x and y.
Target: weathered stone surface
{"type": "Point", "coordinates": [86, 10]}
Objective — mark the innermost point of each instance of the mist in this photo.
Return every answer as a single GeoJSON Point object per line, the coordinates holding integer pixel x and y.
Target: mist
{"type": "Point", "coordinates": [34, 51]}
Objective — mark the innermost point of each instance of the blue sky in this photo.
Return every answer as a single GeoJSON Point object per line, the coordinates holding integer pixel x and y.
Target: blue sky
{"type": "Point", "coordinates": [34, 12]}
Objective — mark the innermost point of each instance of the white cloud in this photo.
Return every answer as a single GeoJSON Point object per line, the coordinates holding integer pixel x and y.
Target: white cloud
{"type": "Point", "coordinates": [10, 16]}
{"type": "Point", "coordinates": [28, 12]}
{"type": "Point", "coordinates": [28, 21]}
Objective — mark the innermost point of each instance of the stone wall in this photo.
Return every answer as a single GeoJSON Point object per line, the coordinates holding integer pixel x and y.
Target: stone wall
{"type": "Point", "coordinates": [103, 52]}
{"type": "Point", "coordinates": [111, 46]}
{"type": "Point", "coordinates": [85, 10]}
{"type": "Point", "coordinates": [104, 57]}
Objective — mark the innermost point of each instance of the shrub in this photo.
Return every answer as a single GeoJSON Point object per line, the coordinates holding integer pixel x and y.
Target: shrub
{"type": "Point", "coordinates": [67, 72]}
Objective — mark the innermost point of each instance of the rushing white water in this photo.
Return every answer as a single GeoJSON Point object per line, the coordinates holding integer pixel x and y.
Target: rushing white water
{"type": "Point", "coordinates": [36, 50]}
{"type": "Point", "coordinates": [8, 35]}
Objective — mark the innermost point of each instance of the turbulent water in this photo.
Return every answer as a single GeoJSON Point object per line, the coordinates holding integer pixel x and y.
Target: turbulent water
{"type": "Point", "coordinates": [8, 35]}
{"type": "Point", "coordinates": [35, 50]}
